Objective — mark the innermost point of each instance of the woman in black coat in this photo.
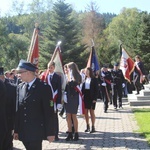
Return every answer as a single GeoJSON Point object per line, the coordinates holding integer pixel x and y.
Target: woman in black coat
{"type": "Point", "coordinates": [90, 92]}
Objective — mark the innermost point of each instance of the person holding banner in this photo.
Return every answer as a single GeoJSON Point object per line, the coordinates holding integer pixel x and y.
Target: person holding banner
{"type": "Point", "coordinates": [139, 74]}
{"type": "Point", "coordinates": [72, 99]}
{"type": "Point", "coordinates": [105, 80]}
{"type": "Point", "coordinates": [54, 80]}
{"type": "Point", "coordinates": [90, 93]}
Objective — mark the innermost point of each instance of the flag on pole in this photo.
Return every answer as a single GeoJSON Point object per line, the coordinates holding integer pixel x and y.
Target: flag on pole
{"type": "Point", "coordinates": [57, 59]}
{"type": "Point", "coordinates": [126, 65]}
{"type": "Point", "coordinates": [93, 61]}
{"type": "Point", "coordinates": [33, 54]}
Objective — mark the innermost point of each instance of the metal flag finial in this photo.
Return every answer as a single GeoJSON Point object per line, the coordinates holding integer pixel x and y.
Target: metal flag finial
{"type": "Point", "coordinates": [59, 42]}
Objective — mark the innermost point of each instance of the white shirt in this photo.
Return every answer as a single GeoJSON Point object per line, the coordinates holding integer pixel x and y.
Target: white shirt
{"type": "Point", "coordinates": [87, 83]}
{"type": "Point", "coordinates": [30, 83]}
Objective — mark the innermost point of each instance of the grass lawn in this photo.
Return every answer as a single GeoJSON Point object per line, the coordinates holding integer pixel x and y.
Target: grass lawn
{"type": "Point", "coordinates": [143, 119]}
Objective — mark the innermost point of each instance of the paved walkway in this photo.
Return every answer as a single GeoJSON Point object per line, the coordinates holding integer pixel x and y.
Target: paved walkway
{"type": "Point", "coordinates": [115, 131]}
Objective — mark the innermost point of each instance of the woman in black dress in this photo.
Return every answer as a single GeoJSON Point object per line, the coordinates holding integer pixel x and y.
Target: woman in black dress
{"type": "Point", "coordinates": [90, 92]}
{"type": "Point", "coordinates": [72, 99]}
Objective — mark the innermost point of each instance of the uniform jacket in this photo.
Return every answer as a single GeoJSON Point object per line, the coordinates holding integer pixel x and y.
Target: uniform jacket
{"type": "Point", "coordinates": [10, 104]}
{"type": "Point", "coordinates": [35, 114]}
{"type": "Point", "coordinates": [93, 88]}
{"type": "Point", "coordinates": [141, 67]}
{"type": "Point", "coordinates": [106, 79]}
{"type": "Point", "coordinates": [3, 121]}
{"type": "Point", "coordinates": [117, 77]}
{"type": "Point", "coordinates": [56, 84]}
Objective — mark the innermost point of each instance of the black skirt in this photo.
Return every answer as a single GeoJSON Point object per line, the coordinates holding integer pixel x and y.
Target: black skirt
{"type": "Point", "coordinates": [88, 102]}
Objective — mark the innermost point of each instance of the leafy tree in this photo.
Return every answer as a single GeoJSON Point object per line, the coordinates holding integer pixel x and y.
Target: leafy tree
{"type": "Point", "coordinates": [16, 49]}
{"type": "Point", "coordinates": [63, 26]}
{"type": "Point", "coordinates": [108, 17]}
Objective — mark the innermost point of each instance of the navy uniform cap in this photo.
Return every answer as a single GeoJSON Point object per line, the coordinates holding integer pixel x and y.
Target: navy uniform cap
{"type": "Point", "coordinates": [26, 65]}
{"type": "Point", "coordinates": [1, 71]}
{"type": "Point", "coordinates": [116, 64]}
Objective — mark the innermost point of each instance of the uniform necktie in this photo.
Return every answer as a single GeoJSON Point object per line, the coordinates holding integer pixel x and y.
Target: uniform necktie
{"type": "Point", "coordinates": [51, 77]}
{"type": "Point", "coordinates": [27, 88]}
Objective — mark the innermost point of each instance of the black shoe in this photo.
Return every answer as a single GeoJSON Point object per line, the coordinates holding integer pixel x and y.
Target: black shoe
{"type": "Point", "coordinates": [87, 128]}
{"type": "Point", "coordinates": [67, 132]}
{"type": "Point", "coordinates": [69, 137]}
{"type": "Point", "coordinates": [93, 129]}
{"type": "Point", "coordinates": [105, 111]}
{"type": "Point", "coordinates": [137, 93]}
{"type": "Point", "coordinates": [76, 136]}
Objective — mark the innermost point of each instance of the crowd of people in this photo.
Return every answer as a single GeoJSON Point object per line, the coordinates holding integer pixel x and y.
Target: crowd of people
{"type": "Point", "coordinates": [30, 102]}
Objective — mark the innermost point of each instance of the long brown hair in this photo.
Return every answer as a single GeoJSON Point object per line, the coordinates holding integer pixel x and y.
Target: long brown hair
{"type": "Point", "coordinates": [91, 74]}
{"type": "Point", "coordinates": [75, 71]}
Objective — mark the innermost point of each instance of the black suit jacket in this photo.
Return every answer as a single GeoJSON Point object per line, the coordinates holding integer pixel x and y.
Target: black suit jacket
{"type": "Point", "coordinates": [35, 114]}
{"type": "Point", "coordinates": [10, 104]}
{"type": "Point", "coordinates": [56, 84]}
{"type": "Point", "coordinates": [93, 88]}
{"type": "Point", "coordinates": [141, 67]}
{"type": "Point", "coordinates": [3, 122]}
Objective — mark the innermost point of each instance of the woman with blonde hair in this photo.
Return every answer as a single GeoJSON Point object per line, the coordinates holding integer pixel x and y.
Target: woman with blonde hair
{"type": "Point", "coordinates": [71, 98]}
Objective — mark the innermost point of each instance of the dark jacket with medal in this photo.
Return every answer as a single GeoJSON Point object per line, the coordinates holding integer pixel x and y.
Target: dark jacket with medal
{"type": "Point", "coordinates": [35, 112]}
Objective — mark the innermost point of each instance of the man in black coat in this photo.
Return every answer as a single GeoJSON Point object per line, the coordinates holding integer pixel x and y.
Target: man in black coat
{"type": "Point", "coordinates": [10, 112]}
{"type": "Point", "coordinates": [118, 82]}
{"type": "Point", "coordinates": [138, 74]}
{"type": "Point", "coordinates": [3, 121]}
{"type": "Point", "coordinates": [105, 80]}
{"type": "Point", "coordinates": [35, 109]}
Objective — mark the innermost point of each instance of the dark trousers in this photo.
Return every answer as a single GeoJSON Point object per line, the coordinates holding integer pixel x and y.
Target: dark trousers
{"type": "Point", "coordinates": [117, 94]}
{"type": "Point", "coordinates": [137, 83]}
{"type": "Point", "coordinates": [56, 123]}
{"type": "Point", "coordinates": [36, 145]}
{"type": "Point", "coordinates": [8, 142]}
{"type": "Point", "coordinates": [2, 138]}
{"type": "Point", "coordinates": [105, 97]}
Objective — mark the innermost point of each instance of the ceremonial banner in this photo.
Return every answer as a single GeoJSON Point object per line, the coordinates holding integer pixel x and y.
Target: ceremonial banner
{"type": "Point", "coordinates": [33, 54]}
{"type": "Point", "coordinates": [126, 65]}
{"type": "Point", "coordinates": [93, 61]}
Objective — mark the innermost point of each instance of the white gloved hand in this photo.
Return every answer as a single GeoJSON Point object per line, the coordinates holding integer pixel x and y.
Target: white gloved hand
{"type": "Point", "coordinates": [65, 97]}
{"type": "Point", "coordinates": [103, 84]}
{"type": "Point", "coordinates": [59, 106]}
{"type": "Point", "coordinates": [123, 85]}
{"type": "Point", "coordinates": [102, 74]}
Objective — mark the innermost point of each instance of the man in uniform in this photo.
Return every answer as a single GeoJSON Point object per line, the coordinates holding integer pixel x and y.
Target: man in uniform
{"type": "Point", "coordinates": [118, 82]}
{"type": "Point", "coordinates": [35, 112]}
{"type": "Point", "coordinates": [105, 86]}
{"type": "Point", "coordinates": [10, 111]}
{"type": "Point", "coordinates": [139, 74]}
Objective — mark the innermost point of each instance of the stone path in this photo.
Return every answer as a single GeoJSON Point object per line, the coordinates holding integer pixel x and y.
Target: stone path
{"type": "Point", "coordinates": [115, 131]}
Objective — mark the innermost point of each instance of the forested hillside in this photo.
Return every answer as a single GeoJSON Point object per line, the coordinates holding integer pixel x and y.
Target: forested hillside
{"type": "Point", "coordinates": [60, 22]}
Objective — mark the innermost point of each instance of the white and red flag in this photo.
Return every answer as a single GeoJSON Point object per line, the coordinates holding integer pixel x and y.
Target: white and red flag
{"type": "Point", "coordinates": [33, 55]}
{"type": "Point", "coordinates": [57, 59]}
{"type": "Point", "coordinates": [126, 65]}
